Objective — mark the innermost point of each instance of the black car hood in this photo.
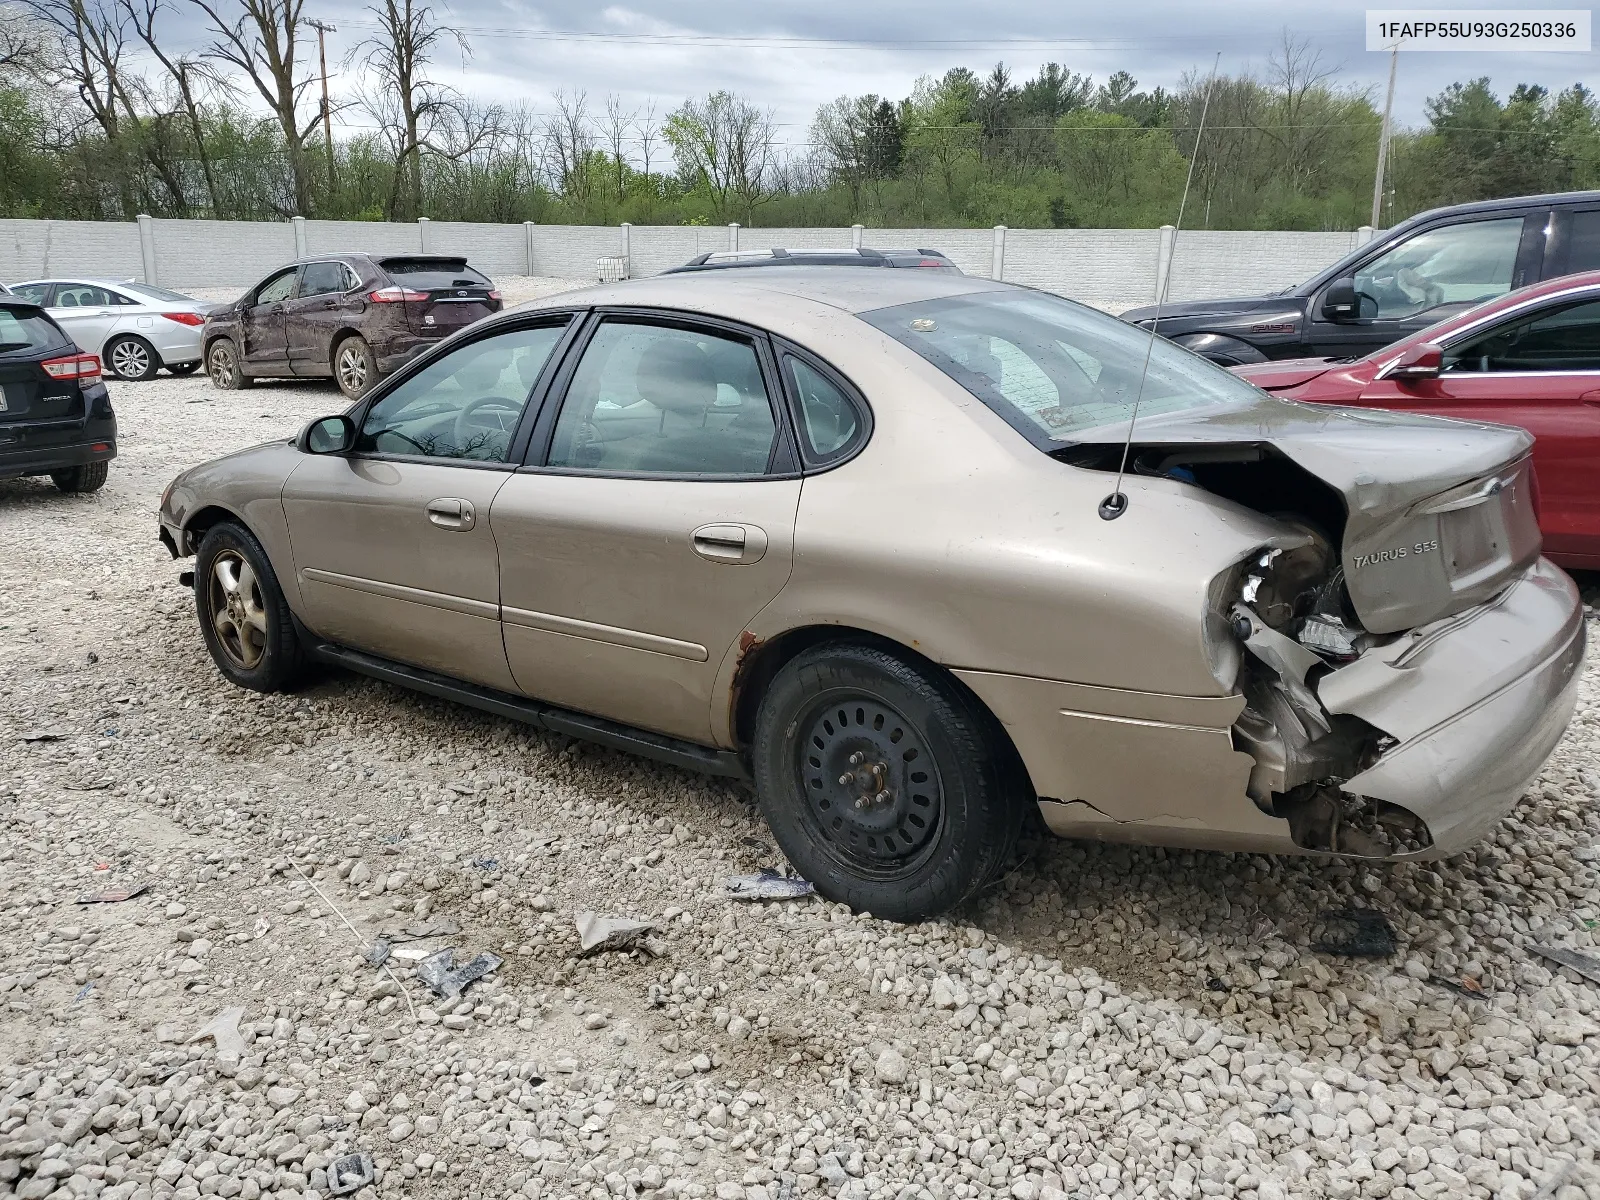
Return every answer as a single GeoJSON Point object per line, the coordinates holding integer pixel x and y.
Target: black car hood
{"type": "Point", "coordinates": [1227, 307]}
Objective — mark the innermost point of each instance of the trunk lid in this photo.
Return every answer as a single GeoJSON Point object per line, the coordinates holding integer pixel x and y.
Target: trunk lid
{"type": "Point", "coordinates": [452, 293]}
{"type": "Point", "coordinates": [1438, 514]}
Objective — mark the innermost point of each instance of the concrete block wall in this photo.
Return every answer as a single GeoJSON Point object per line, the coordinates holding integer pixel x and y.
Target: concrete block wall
{"type": "Point", "coordinates": [1112, 269]}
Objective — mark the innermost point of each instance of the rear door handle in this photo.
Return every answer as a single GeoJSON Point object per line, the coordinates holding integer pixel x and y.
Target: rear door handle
{"type": "Point", "coordinates": [452, 512]}
{"type": "Point", "coordinates": [731, 544]}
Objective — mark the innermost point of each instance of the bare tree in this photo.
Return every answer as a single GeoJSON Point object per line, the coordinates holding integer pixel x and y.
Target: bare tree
{"type": "Point", "coordinates": [196, 81]}
{"type": "Point", "coordinates": [616, 131]}
{"type": "Point", "coordinates": [647, 130]}
{"type": "Point", "coordinates": [262, 41]}
{"type": "Point", "coordinates": [22, 45]}
{"type": "Point", "coordinates": [725, 143]}
{"type": "Point", "coordinates": [569, 146]}
{"type": "Point", "coordinates": [419, 113]}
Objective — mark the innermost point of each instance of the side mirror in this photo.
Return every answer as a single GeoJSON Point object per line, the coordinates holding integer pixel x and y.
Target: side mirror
{"type": "Point", "coordinates": [1339, 302]}
{"type": "Point", "coordinates": [327, 435]}
{"type": "Point", "coordinates": [1422, 361]}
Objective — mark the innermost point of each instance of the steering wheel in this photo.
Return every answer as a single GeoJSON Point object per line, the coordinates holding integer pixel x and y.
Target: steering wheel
{"type": "Point", "coordinates": [464, 426]}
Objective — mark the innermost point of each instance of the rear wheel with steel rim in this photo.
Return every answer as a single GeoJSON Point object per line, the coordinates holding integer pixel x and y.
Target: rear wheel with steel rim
{"type": "Point", "coordinates": [243, 616]}
{"type": "Point", "coordinates": [132, 358]}
{"type": "Point", "coordinates": [886, 783]}
{"type": "Point", "coordinates": [354, 367]}
{"type": "Point", "coordinates": [222, 364]}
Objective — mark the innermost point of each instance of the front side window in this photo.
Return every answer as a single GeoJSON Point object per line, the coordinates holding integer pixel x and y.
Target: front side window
{"type": "Point", "coordinates": [1453, 265]}
{"type": "Point", "coordinates": [1053, 368]}
{"type": "Point", "coordinates": [279, 287]}
{"type": "Point", "coordinates": [1565, 340]}
{"type": "Point", "coordinates": [465, 405]}
{"type": "Point", "coordinates": [653, 400]}
{"type": "Point", "coordinates": [321, 279]}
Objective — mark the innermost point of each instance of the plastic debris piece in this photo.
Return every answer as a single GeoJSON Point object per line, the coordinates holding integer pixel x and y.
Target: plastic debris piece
{"type": "Point", "coordinates": [447, 980]}
{"type": "Point", "coordinates": [1465, 986]}
{"type": "Point", "coordinates": [1584, 964]}
{"type": "Point", "coordinates": [84, 991]}
{"type": "Point", "coordinates": [42, 735]}
{"type": "Point", "coordinates": [350, 1173]}
{"type": "Point", "coordinates": [432, 927]}
{"type": "Point", "coordinates": [410, 954]}
{"type": "Point", "coordinates": [87, 785]}
{"type": "Point", "coordinates": [261, 928]}
{"type": "Point", "coordinates": [1213, 984]}
{"type": "Point", "coordinates": [597, 933]}
{"type": "Point", "coordinates": [486, 864]}
{"type": "Point", "coordinates": [767, 884]}
{"type": "Point", "coordinates": [116, 896]}
{"type": "Point", "coordinates": [223, 1029]}
{"type": "Point", "coordinates": [378, 953]}
{"type": "Point", "coordinates": [1356, 933]}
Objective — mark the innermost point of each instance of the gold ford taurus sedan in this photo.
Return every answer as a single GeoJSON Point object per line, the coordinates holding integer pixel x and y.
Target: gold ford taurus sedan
{"type": "Point", "coordinates": [861, 537]}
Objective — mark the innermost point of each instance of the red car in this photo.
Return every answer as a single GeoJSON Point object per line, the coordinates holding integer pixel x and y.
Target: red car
{"type": "Point", "coordinates": [1528, 358]}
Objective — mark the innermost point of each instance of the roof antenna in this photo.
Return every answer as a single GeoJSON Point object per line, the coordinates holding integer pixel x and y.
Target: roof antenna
{"type": "Point", "coordinates": [1114, 505]}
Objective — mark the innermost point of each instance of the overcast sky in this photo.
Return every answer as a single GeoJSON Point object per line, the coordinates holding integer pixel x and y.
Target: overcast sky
{"type": "Point", "coordinates": [667, 51]}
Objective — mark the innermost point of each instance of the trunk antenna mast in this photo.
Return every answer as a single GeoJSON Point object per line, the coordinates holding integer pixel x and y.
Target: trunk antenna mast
{"type": "Point", "coordinates": [1114, 505]}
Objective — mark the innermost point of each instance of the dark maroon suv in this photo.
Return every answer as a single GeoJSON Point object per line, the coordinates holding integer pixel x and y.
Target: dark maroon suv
{"type": "Point", "coordinates": [355, 317]}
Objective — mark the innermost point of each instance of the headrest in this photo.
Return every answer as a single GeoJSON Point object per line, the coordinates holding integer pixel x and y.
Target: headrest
{"type": "Point", "coordinates": [677, 376]}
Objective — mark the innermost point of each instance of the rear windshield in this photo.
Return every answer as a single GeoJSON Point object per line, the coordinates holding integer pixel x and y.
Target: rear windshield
{"type": "Point", "coordinates": [427, 273]}
{"type": "Point", "coordinates": [24, 329]}
{"type": "Point", "coordinates": [145, 289]}
{"type": "Point", "coordinates": [1052, 368]}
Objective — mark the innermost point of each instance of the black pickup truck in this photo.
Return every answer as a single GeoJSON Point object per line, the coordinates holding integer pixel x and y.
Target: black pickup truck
{"type": "Point", "coordinates": [1425, 269]}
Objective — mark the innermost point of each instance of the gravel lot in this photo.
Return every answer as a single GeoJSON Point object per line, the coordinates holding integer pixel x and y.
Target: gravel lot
{"type": "Point", "coordinates": [1105, 1022]}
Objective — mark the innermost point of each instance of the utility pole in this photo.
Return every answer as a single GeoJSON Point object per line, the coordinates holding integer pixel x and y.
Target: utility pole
{"type": "Point", "coordinates": [1383, 141]}
{"type": "Point", "coordinates": [323, 29]}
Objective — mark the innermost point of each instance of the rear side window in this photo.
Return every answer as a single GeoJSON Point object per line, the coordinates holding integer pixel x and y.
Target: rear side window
{"type": "Point", "coordinates": [24, 329]}
{"type": "Point", "coordinates": [831, 423]}
{"type": "Point", "coordinates": [33, 293]}
{"type": "Point", "coordinates": [1565, 340]}
{"type": "Point", "coordinates": [322, 279]}
{"type": "Point", "coordinates": [1583, 242]}
{"type": "Point", "coordinates": [427, 274]}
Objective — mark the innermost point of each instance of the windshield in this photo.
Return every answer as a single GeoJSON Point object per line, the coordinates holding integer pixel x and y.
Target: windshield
{"type": "Point", "coordinates": [426, 274]}
{"type": "Point", "coordinates": [1052, 368]}
{"type": "Point", "coordinates": [145, 289]}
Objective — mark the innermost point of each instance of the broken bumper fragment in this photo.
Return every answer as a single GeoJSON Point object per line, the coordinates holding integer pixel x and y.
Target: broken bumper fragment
{"type": "Point", "coordinates": [1475, 703]}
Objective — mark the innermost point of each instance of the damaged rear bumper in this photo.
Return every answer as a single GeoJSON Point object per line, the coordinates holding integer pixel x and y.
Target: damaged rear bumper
{"type": "Point", "coordinates": [1476, 703]}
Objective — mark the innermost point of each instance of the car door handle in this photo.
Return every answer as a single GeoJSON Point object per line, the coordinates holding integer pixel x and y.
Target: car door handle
{"type": "Point", "coordinates": [451, 512]}
{"type": "Point", "coordinates": [1592, 399]}
{"type": "Point", "coordinates": [732, 544]}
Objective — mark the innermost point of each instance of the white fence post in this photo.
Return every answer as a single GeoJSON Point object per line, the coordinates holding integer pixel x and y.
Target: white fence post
{"type": "Point", "coordinates": [733, 235]}
{"type": "Point", "coordinates": [627, 250]}
{"type": "Point", "coordinates": [1363, 235]}
{"type": "Point", "coordinates": [300, 250]}
{"type": "Point", "coordinates": [1169, 238]}
{"type": "Point", "coordinates": [997, 255]}
{"type": "Point", "coordinates": [527, 231]}
{"type": "Point", "coordinates": [855, 236]}
{"type": "Point", "coordinates": [147, 247]}
{"type": "Point", "coordinates": [422, 233]}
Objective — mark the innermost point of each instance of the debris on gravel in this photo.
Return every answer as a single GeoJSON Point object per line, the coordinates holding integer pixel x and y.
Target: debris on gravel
{"type": "Point", "coordinates": [1104, 1021]}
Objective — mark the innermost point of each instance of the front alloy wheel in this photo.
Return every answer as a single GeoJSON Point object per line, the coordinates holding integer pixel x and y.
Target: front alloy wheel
{"type": "Point", "coordinates": [222, 364]}
{"type": "Point", "coordinates": [237, 612]}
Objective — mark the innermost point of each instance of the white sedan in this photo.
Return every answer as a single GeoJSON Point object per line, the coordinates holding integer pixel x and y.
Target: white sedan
{"type": "Point", "coordinates": [135, 328]}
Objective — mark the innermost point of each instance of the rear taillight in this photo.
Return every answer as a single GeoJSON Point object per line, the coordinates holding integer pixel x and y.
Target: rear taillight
{"type": "Point", "coordinates": [930, 262]}
{"type": "Point", "coordinates": [395, 295]}
{"type": "Point", "coordinates": [78, 366]}
{"type": "Point", "coordinates": [192, 319]}
{"type": "Point", "coordinates": [494, 295]}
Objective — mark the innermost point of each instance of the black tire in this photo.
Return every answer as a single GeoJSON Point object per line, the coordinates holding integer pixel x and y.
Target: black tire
{"type": "Point", "coordinates": [263, 655]}
{"type": "Point", "coordinates": [954, 796]}
{"type": "Point", "coordinates": [355, 367]}
{"type": "Point", "coordinates": [90, 477]}
{"type": "Point", "coordinates": [131, 358]}
{"type": "Point", "coordinates": [224, 366]}
{"type": "Point", "coordinates": [188, 368]}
